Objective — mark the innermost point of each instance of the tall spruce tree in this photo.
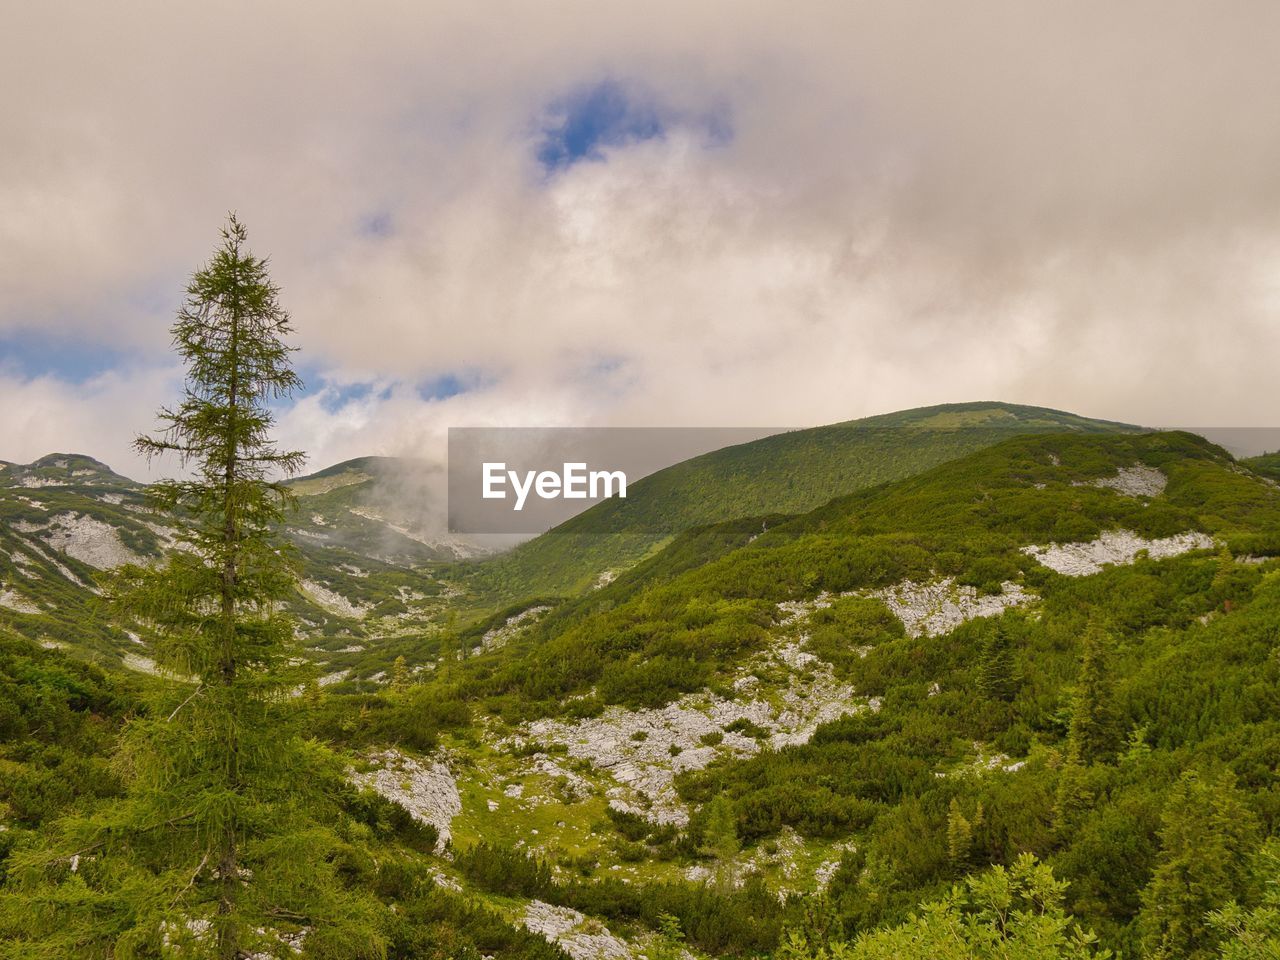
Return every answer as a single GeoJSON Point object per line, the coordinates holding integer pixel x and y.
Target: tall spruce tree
{"type": "Point", "coordinates": [720, 837]}
{"type": "Point", "coordinates": [997, 674]}
{"type": "Point", "coordinates": [1208, 834]}
{"type": "Point", "coordinates": [1094, 731]}
{"type": "Point", "coordinates": [223, 847]}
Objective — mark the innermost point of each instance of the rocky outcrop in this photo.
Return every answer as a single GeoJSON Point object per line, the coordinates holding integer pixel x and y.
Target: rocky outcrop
{"type": "Point", "coordinates": [501, 635]}
{"type": "Point", "coordinates": [84, 538]}
{"type": "Point", "coordinates": [427, 791]}
{"type": "Point", "coordinates": [332, 601]}
{"type": "Point", "coordinates": [1113, 547]}
{"type": "Point", "coordinates": [12, 600]}
{"type": "Point", "coordinates": [579, 937]}
{"type": "Point", "coordinates": [934, 609]}
{"type": "Point", "coordinates": [642, 751]}
{"type": "Point", "coordinates": [1136, 481]}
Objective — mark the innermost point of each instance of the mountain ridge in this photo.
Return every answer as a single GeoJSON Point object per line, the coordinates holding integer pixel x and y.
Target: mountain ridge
{"type": "Point", "coordinates": [789, 472]}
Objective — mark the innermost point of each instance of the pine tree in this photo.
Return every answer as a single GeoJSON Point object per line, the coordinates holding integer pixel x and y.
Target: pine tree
{"type": "Point", "coordinates": [959, 835]}
{"type": "Point", "coordinates": [720, 837]}
{"type": "Point", "coordinates": [1094, 730]}
{"type": "Point", "coordinates": [1074, 794]}
{"type": "Point", "coordinates": [997, 678]}
{"type": "Point", "coordinates": [222, 847]}
{"type": "Point", "coordinates": [400, 674]}
{"type": "Point", "coordinates": [1207, 836]}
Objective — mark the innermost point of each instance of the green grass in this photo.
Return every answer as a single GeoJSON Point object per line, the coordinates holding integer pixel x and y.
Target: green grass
{"type": "Point", "coordinates": [643, 642]}
{"type": "Point", "coordinates": [1191, 675]}
{"type": "Point", "coordinates": [1266, 465]}
{"type": "Point", "coordinates": [787, 473]}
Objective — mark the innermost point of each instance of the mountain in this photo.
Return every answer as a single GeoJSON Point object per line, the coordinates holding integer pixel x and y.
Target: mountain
{"type": "Point", "coordinates": [785, 473]}
{"type": "Point", "coordinates": [365, 555]}
{"type": "Point", "coordinates": [1056, 644]}
{"type": "Point", "coordinates": [1061, 644]}
{"type": "Point", "coordinates": [1266, 465]}
{"type": "Point", "coordinates": [377, 507]}
{"type": "Point", "coordinates": [378, 579]}
{"type": "Point", "coordinates": [65, 519]}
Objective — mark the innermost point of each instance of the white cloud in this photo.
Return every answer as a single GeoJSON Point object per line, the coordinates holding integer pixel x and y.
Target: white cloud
{"type": "Point", "coordinates": [100, 416]}
{"type": "Point", "coordinates": [1073, 207]}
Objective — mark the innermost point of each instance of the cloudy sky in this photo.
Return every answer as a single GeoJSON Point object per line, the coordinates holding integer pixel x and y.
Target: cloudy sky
{"type": "Point", "coordinates": [685, 213]}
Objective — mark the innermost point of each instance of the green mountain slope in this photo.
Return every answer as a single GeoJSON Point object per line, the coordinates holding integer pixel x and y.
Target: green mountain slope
{"type": "Point", "coordinates": [968, 521]}
{"type": "Point", "coordinates": [1063, 644]}
{"type": "Point", "coordinates": [64, 520]}
{"type": "Point", "coordinates": [1060, 644]}
{"type": "Point", "coordinates": [786, 473]}
{"type": "Point", "coordinates": [365, 557]}
{"type": "Point", "coordinates": [1267, 465]}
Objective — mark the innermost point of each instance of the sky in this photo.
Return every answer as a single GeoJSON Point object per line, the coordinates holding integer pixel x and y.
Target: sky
{"type": "Point", "coordinates": [671, 213]}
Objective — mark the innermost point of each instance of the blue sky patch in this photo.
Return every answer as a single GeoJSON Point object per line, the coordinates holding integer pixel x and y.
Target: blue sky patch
{"type": "Point", "coordinates": [449, 385]}
{"type": "Point", "coordinates": [582, 125]}
{"type": "Point", "coordinates": [334, 396]}
{"type": "Point", "coordinates": [32, 354]}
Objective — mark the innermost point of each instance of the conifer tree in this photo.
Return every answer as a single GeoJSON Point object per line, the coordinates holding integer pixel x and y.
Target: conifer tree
{"type": "Point", "coordinates": [959, 835]}
{"type": "Point", "coordinates": [997, 678]}
{"type": "Point", "coordinates": [223, 846]}
{"type": "Point", "coordinates": [1207, 836]}
{"type": "Point", "coordinates": [1093, 730]}
{"type": "Point", "coordinates": [400, 674]}
{"type": "Point", "coordinates": [1074, 795]}
{"type": "Point", "coordinates": [720, 836]}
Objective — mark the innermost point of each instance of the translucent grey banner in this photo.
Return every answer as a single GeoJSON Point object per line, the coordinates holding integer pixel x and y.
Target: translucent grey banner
{"type": "Point", "coordinates": [527, 480]}
{"type": "Point", "coordinates": [530, 479]}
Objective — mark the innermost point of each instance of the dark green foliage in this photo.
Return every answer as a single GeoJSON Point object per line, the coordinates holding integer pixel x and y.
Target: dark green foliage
{"type": "Point", "coordinates": [503, 871]}
{"type": "Point", "coordinates": [412, 718]}
{"type": "Point", "coordinates": [745, 920]}
{"type": "Point", "coordinates": [436, 925]}
{"type": "Point", "coordinates": [1266, 465]}
{"type": "Point", "coordinates": [58, 722]}
{"type": "Point", "coordinates": [842, 632]}
{"type": "Point", "coordinates": [223, 843]}
{"type": "Point", "coordinates": [1207, 835]}
{"type": "Point", "coordinates": [997, 674]}
{"type": "Point", "coordinates": [1013, 914]}
{"type": "Point", "coordinates": [390, 820]}
{"type": "Point", "coordinates": [788, 472]}
{"type": "Point", "coordinates": [1093, 735]}
{"type": "Point", "coordinates": [1252, 933]}
{"type": "Point", "coordinates": [748, 729]}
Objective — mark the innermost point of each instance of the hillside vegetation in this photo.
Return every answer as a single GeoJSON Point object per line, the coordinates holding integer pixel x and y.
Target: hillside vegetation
{"type": "Point", "coordinates": [1046, 722]}
{"type": "Point", "coordinates": [786, 473]}
{"type": "Point", "coordinates": [67, 522]}
{"type": "Point", "coordinates": [1021, 703]}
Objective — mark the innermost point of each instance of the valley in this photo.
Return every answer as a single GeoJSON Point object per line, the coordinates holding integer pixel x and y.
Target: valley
{"type": "Point", "coordinates": [816, 716]}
